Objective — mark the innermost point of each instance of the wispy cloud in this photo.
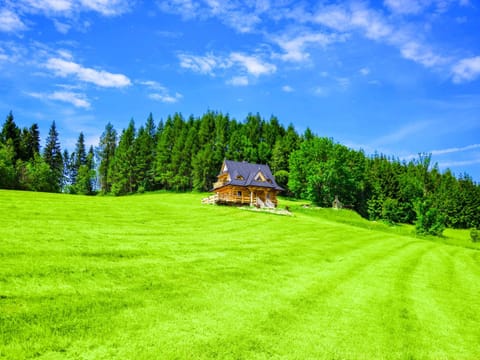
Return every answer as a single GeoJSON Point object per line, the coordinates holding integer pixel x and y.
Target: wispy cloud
{"type": "Point", "coordinates": [106, 7]}
{"type": "Point", "coordinates": [69, 7]}
{"type": "Point", "coordinates": [421, 54]}
{"type": "Point", "coordinates": [64, 68]}
{"type": "Point", "coordinates": [207, 64]}
{"type": "Point", "coordinates": [10, 22]}
{"type": "Point", "coordinates": [76, 99]}
{"type": "Point", "coordinates": [364, 71]}
{"type": "Point", "coordinates": [254, 65]}
{"type": "Point", "coordinates": [160, 92]}
{"type": "Point", "coordinates": [294, 47]}
{"type": "Point", "coordinates": [241, 16]}
{"type": "Point", "coordinates": [188, 9]}
{"type": "Point", "coordinates": [466, 69]}
{"type": "Point", "coordinates": [203, 64]}
{"type": "Point", "coordinates": [415, 7]}
{"type": "Point", "coordinates": [287, 88]}
{"type": "Point", "coordinates": [376, 26]}
{"type": "Point", "coordinates": [455, 149]}
{"type": "Point", "coordinates": [457, 163]}
{"type": "Point", "coordinates": [238, 81]}
{"type": "Point", "coordinates": [401, 133]}
{"type": "Point", "coordinates": [404, 6]}
{"type": "Point", "coordinates": [165, 97]}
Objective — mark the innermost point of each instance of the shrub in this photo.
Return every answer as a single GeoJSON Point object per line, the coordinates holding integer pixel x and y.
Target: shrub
{"type": "Point", "coordinates": [430, 221]}
{"type": "Point", "coordinates": [391, 211]}
{"type": "Point", "coordinates": [474, 235]}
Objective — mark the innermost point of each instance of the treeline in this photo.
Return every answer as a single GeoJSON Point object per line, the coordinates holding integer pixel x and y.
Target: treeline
{"type": "Point", "coordinates": [186, 154]}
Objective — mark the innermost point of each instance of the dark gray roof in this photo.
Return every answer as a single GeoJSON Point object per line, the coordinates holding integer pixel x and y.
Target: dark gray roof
{"type": "Point", "coordinates": [244, 174]}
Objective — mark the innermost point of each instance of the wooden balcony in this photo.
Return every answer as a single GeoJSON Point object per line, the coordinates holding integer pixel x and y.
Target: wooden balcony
{"type": "Point", "coordinates": [218, 184]}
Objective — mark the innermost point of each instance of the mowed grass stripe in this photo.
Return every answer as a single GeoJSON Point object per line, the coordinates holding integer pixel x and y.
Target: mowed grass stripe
{"type": "Point", "coordinates": [161, 276]}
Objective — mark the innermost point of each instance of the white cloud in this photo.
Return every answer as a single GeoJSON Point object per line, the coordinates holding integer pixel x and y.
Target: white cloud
{"type": "Point", "coordinates": [70, 8]}
{"type": "Point", "coordinates": [372, 23]}
{"type": "Point", "coordinates": [252, 64]}
{"type": "Point", "coordinates": [10, 22]}
{"type": "Point", "coordinates": [406, 6]}
{"type": "Point", "coordinates": [241, 16]}
{"type": "Point", "coordinates": [294, 47]}
{"type": "Point", "coordinates": [207, 64]}
{"type": "Point", "coordinates": [455, 150]}
{"type": "Point", "coordinates": [238, 81]}
{"type": "Point", "coordinates": [335, 17]}
{"type": "Point", "coordinates": [188, 9]}
{"type": "Point", "coordinates": [161, 93]}
{"type": "Point", "coordinates": [165, 98]}
{"type": "Point", "coordinates": [106, 7]}
{"type": "Point", "coordinates": [76, 99]}
{"type": "Point", "coordinates": [200, 64]}
{"type": "Point", "coordinates": [61, 27]}
{"type": "Point", "coordinates": [466, 69]}
{"type": "Point", "coordinates": [364, 71]}
{"type": "Point", "coordinates": [420, 54]}
{"type": "Point", "coordinates": [402, 133]}
{"type": "Point", "coordinates": [287, 88]}
{"type": "Point", "coordinates": [64, 68]}
{"type": "Point", "coordinates": [416, 7]}
{"type": "Point", "coordinates": [448, 164]}
{"type": "Point", "coordinates": [46, 6]}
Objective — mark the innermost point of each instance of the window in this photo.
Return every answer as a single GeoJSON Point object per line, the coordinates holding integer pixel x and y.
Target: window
{"type": "Point", "coordinates": [239, 193]}
{"type": "Point", "coordinates": [260, 177]}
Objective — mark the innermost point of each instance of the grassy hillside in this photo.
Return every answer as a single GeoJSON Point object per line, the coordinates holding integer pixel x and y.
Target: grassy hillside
{"type": "Point", "coordinates": [161, 276]}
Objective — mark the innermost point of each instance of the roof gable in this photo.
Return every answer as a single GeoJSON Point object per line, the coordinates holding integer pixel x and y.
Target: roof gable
{"type": "Point", "coordinates": [248, 174]}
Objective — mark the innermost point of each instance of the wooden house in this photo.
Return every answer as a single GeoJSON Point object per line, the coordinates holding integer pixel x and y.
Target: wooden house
{"type": "Point", "coordinates": [242, 183]}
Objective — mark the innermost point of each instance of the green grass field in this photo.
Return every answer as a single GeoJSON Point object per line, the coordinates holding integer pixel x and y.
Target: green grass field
{"type": "Point", "coordinates": [160, 276]}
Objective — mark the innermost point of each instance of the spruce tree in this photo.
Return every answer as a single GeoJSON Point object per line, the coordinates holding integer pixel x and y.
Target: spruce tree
{"type": "Point", "coordinates": [52, 155]}
{"type": "Point", "coordinates": [106, 153]}
{"type": "Point", "coordinates": [11, 131]}
{"type": "Point", "coordinates": [125, 175]}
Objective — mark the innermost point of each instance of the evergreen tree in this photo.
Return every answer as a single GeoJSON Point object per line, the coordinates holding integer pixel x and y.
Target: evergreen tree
{"type": "Point", "coordinates": [145, 145]}
{"type": "Point", "coordinates": [52, 155]}
{"type": "Point", "coordinates": [8, 177]}
{"type": "Point", "coordinates": [85, 181]}
{"type": "Point", "coordinates": [10, 131]}
{"type": "Point", "coordinates": [106, 153]}
{"type": "Point", "coordinates": [80, 153]}
{"type": "Point", "coordinates": [124, 169]}
{"type": "Point", "coordinates": [165, 143]}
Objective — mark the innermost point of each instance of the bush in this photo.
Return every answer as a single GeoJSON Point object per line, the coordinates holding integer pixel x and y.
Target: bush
{"type": "Point", "coordinates": [430, 221]}
{"type": "Point", "coordinates": [391, 211]}
{"type": "Point", "coordinates": [474, 235]}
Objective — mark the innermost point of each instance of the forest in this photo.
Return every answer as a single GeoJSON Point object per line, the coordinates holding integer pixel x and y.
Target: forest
{"type": "Point", "coordinates": [185, 154]}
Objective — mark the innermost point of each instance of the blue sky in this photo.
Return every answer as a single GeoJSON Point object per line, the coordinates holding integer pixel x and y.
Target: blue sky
{"type": "Point", "coordinates": [398, 77]}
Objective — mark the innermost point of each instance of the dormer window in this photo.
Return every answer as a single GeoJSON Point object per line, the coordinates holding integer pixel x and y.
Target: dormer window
{"type": "Point", "coordinates": [260, 177]}
{"type": "Point", "coordinates": [239, 177]}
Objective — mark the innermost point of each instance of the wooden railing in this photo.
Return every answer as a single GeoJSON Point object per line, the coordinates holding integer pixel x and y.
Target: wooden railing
{"type": "Point", "coordinates": [227, 199]}
{"type": "Point", "coordinates": [218, 184]}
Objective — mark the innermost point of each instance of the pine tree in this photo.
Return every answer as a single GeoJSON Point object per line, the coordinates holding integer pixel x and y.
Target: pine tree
{"type": "Point", "coordinates": [106, 154]}
{"type": "Point", "coordinates": [11, 131]}
{"type": "Point", "coordinates": [52, 155]}
{"type": "Point", "coordinates": [80, 153]}
{"type": "Point", "coordinates": [124, 169]}
{"type": "Point", "coordinates": [145, 155]}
